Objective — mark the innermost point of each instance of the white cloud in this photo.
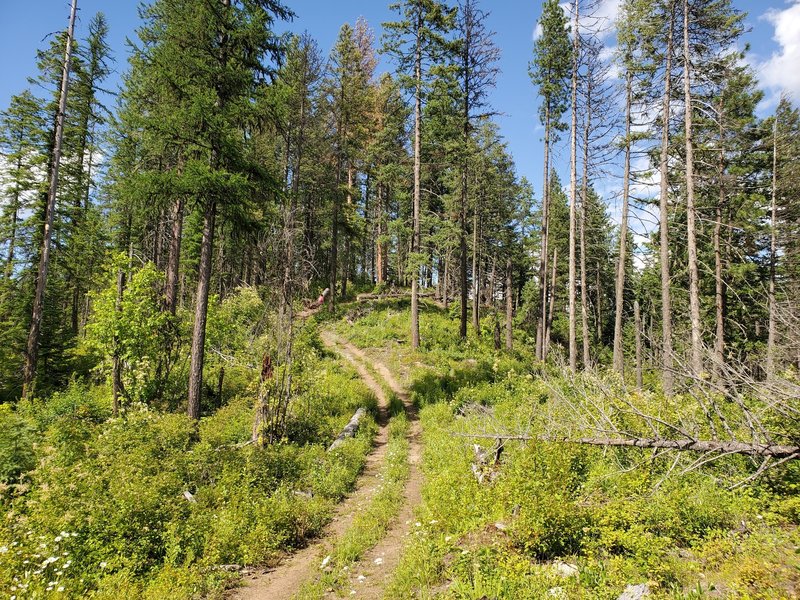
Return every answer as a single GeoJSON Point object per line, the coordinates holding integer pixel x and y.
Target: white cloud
{"type": "Point", "coordinates": [537, 31]}
{"type": "Point", "coordinates": [781, 72]}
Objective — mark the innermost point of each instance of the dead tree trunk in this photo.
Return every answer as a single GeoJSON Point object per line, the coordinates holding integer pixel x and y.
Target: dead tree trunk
{"type": "Point", "coordinates": [705, 446]}
{"type": "Point", "coordinates": [540, 328]}
{"type": "Point", "coordinates": [509, 307]}
{"type": "Point", "coordinates": [619, 287]}
{"type": "Point", "coordinates": [549, 320]}
{"type": "Point", "coordinates": [667, 376]}
{"type": "Point", "coordinates": [415, 234]}
{"type": "Point", "coordinates": [637, 317]}
{"type": "Point", "coordinates": [32, 348]}
{"type": "Point", "coordinates": [696, 363]}
{"type": "Point", "coordinates": [773, 250]}
{"type": "Point", "coordinates": [573, 192]}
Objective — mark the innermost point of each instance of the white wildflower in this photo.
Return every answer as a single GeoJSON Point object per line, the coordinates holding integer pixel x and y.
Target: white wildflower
{"type": "Point", "coordinates": [3, 549]}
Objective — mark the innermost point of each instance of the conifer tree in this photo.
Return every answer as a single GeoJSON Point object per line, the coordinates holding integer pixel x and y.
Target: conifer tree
{"type": "Point", "coordinates": [417, 42]}
{"type": "Point", "coordinates": [549, 71]}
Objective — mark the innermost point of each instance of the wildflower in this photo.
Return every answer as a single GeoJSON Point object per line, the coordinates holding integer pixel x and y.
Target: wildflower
{"type": "Point", "coordinates": [103, 564]}
{"type": "Point", "coordinates": [3, 549]}
{"type": "Point", "coordinates": [60, 588]}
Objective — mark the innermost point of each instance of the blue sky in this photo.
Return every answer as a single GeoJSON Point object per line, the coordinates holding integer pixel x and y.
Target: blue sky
{"type": "Point", "coordinates": [774, 38]}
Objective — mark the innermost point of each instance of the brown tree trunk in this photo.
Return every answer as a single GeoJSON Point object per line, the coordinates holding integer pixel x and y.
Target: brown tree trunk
{"type": "Point", "coordinates": [509, 307]}
{"type": "Point", "coordinates": [201, 310]}
{"type": "Point", "coordinates": [32, 348]}
{"type": "Point", "coordinates": [174, 260]}
{"type": "Point", "coordinates": [476, 276]}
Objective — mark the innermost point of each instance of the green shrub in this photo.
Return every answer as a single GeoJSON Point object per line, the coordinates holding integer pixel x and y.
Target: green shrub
{"type": "Point", "coordinates": [16, 445]}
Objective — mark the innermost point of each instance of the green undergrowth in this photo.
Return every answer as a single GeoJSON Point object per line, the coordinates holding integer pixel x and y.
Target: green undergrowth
{"type": "Point", "coordinates": [560, 520]}
{"type": "Point", "coordinates": [152, 504]}
{"type": "Point", "coordinates": [371, 523]}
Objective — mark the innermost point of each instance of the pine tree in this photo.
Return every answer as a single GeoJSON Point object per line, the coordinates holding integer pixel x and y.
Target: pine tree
{"type": "Point", "coordinates": [416, 42]}
{"type": "Point", "coordinates": [549, 71]}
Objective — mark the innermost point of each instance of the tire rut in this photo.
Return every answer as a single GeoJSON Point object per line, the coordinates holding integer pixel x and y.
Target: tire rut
{"type": "Point", "coordinates": [285, 579]}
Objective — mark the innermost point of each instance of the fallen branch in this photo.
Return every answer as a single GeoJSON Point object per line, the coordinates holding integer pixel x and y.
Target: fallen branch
{"type": "Point", "coordinates": [705, 446]}
{"type": "Point", "coordinates": [350, 429]}
{"type": "Point", "coordinates": [389, 296]}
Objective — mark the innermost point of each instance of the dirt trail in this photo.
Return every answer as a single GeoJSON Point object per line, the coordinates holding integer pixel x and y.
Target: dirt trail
{"type": "Point", "coordinates": [285, 580]}
{"type": "Point", "coordinates": [370, 576]}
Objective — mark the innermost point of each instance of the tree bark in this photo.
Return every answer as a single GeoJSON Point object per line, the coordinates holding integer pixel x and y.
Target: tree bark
{"type": "Point", "coordinates": [637, 317]}
{"type": "Point", "coordinates": [415, 236]}
{"type": "Point", "coordinates": [540, 328]}
{"type": "Point", "coordinates": [696, 363]}
{"type": "Point", "coordinates": [707, 446]}
{"type": "Point", "coordinates": [573, 342]}
{"type": "Point", "coordinates": [667, 376]}
{"type": "Point", "coordinates": [201, 311]}
{"type": "Point", "coordinates": [719, 287]}
{"type": "Point", "coordinates": [32, 348]}
{"type": "Point", "coordinates": [584, 197]}
{"type": "Point", "coordinates": [509, 307]}
{"type": "Point", "coordinates": [174, 260]}
{"type": "Point", "coordinates": [551, 306]}
{"type": "Point", "coordinates": [619, 287]}
{"type": "Point", "coordinates": [773, 251]}
{"type": "Point", "coordinates": [476, 276]}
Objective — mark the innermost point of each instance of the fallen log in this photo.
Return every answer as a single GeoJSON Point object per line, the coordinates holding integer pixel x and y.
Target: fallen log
{"type": "Point", "coordinates": [350, 429]}
{"type": "Point", "coordinates": [389, 296]}
{"type": "Point", "coordinates": [704, 446]}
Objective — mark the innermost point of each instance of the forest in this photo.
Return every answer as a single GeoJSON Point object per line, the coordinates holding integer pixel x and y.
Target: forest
{"type": "Point", "coordinates": [277, 322]}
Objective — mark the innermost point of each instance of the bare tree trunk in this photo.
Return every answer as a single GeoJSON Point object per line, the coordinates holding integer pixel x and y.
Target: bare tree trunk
{"type": "Point", "coordinates": [619, 287]}
{"type": "Point", "coordinates": [719, 291]}
{"type": "Point", "coordinates": [573, 193]}
{"type": "Point", "coordinates": [174, 260]}
{"type": "Point", "coordinates": [773, 251]}
{"type": "Point", "coordinates": [544, 242]}
{"type": "Point", "coordinates": [347, 238]}
{"type": "Point", "coordinates": [584, 197]}
{"type": "Point", "coordinates": [415, 236]}
{"type": "Point", "coordinates": [32, 348]}
{"type": "Point", "coordinates": [599, 304]}
{"type": "Point", "coordinates": [380, 249]}
{"type": "Point", "coordinates": [637, 317]}
{"type": "Point", "coordinates": [117, 388]}
{"type": "Point", "coordinates": [549, 320]}
{"type": "Point", "coordinates": [509, 307]}
{"type": "Point", "coordinates": [667, 375]}
{"type": "Point", "coordinates": [334, 258]}
{"type": "Point", "coordinates": [446, 282]}
{"type": "Point", "coordinates": [476, 276]}
{"type": "Point", "coordinates": [696, 363]}
{"type": "Point", "coordinates": [12, 238]}
{"type": "Point", "coordinates": [686, 445]}
{"type": "Point", "coordinates": [201, 310]}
